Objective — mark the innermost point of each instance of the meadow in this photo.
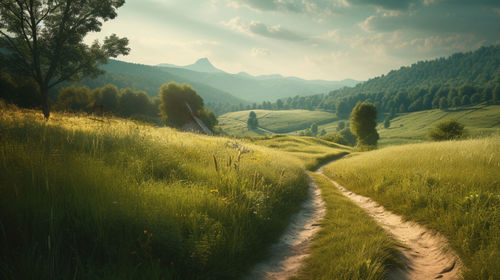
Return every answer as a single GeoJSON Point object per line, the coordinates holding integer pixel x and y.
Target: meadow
{"type": "Point", "coordinates": [311, 151]}
{"type": "Point", "coordinates": [86, 198]}
{"type": "Point", "coordinates": [273, 122]}
{"type": "Point", "coordinates": [452, 187]}
{"type": "Point", "coordinates": [479, 121]}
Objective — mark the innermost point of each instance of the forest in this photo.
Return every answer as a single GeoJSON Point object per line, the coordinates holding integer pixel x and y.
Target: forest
{"type": "Point", "coordinates": [461, 79]}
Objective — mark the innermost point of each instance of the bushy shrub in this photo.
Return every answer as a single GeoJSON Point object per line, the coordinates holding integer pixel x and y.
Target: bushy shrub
{"type": "Point", "coordinates": [447, 130]}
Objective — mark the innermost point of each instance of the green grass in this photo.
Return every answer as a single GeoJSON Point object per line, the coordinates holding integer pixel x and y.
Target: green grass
{"type": "Point", "coordinates": [350, 244]}
{"type": "Point", "coordinates": [273, 122]}
{"type": "Point", "coordinates": [310, 151]}
{"type": "Point", "coordinates": [452, 187]}
{"type": "Point", "coordinates": [86, 198]}
{"type": "Point", "coordinates": [479, 121]}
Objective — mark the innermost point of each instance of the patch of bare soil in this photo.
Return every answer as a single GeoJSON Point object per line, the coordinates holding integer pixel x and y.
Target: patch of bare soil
{"type": "Point", "coordinates": [293, 247]}
{"type": "Point", "coordinates": [426, 254]}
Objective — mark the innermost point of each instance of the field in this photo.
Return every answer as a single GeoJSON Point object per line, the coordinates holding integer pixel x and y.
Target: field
{"type": "Point", "coordinates": [310, 151]}
{"type": "Point", "coordinates": [273, 122]}
{"type": "Point", "coordinates": [452, 187]}
{"type": "Point", "coordinates": [78, 192]}
{"type": "Point", "coordinates": [479, 121]}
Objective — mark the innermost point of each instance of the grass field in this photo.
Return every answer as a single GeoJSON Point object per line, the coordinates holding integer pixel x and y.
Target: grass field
{"type": "Point", "coordinates": [273, 122]}
{"type": "Point", "coordinates": [479, 121]}
{"type": "Point", "coordinates": [88, 198]}
{"type": "Point", "coordinates": [452, 187]}
{"type": "Point", "coordinates": [310, 151]}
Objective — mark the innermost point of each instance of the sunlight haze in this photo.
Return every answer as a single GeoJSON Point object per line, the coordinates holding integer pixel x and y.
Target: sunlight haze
{"type": "Point", "coordinates": [312, 39]}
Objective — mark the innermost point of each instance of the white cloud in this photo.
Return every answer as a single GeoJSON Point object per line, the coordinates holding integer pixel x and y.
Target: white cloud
{"type": "Point", "coordinates": [260, 52]}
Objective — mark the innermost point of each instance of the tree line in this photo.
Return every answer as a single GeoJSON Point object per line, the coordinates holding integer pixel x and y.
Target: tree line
{"type": "Point", "coordinates": [168, 107]}
{"type": "Point", "coordinates": [459, 80]}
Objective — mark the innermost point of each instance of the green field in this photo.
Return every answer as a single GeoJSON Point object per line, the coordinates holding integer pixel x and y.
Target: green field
{"type": "Point", "coordinates": [452, 187]}
{"type": "Point", "coordinates": [90, 198]}
{"type": "Point", "coordinates": [273, 122]}
{"type": "Point", "coordinates": [480, 120]}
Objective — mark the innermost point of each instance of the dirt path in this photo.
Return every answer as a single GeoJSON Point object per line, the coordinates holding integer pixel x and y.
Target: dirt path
{"type": "Point", "coordinates": [293, 246]}
{"type": "Point", "coordinates": [425, 253]}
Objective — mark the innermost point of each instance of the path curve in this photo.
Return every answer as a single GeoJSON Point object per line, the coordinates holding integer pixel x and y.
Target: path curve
{"type": "Point", "coordinates": [426, 254]}
{"type": "Point", "coordinates": [293, 246]}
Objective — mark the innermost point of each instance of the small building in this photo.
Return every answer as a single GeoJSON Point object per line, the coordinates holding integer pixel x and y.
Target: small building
{"type": "Point", "coordinates": [195, 124]}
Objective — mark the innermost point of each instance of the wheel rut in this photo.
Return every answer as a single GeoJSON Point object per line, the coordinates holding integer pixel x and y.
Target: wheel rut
{"type": "Point", "coordinates": [425, 253]}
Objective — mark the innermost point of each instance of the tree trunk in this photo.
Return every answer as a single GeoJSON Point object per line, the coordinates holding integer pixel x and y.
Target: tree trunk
{"type": "Point", "coordinates": [44, 92]}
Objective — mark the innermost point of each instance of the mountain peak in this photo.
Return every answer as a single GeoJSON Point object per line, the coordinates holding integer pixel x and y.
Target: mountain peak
{"type": "Point", "coordinates": [201, 65]}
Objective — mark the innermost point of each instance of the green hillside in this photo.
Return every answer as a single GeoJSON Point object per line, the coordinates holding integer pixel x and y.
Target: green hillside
{"type": "Point", "coordinates": [480, 120]}
{"type": "Point", "coordinates": [273, 122]}
{"type": "Point", "coordinates": [460, 79]}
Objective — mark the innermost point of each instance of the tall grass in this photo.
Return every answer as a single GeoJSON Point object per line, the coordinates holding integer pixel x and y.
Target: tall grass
{"type": "Point", "coordinates": [86, 198]}
{"type": "Point", "coordinates": [453, 187]}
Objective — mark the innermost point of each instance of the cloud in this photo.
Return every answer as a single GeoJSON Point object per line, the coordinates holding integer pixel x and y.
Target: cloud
{"type": "Point", "coordinates": [260, 52]}
{"type": "Point", "coordinates": [386, 4]}
{"type": "Point", "coordinates": [261, 29]}
{"type": "Point", "coordinates": [275, 32]}
{"type": "Point", "coordinates": [316, 7]}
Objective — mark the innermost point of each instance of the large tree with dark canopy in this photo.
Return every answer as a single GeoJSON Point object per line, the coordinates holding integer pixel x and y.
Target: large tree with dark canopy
{"type": "Point", "coordinates": [364, 122]}
{"type": "Point", "coordinates": [43, 39]}
{"type": "Point", "coordinates": [175, 99]}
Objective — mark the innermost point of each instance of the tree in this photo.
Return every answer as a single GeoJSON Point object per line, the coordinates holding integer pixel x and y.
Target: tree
{"type": "Point", "coordinates": [342, 109]}
{"type": "Point", "coordinates": [252, 122]}
{"type": "Point", "coordinates": [447, 130]}
{"type": "Point", "coordinates": [74, 99]}
{"type": "Point", "coordinates": [387, 122]}
{"type": "Point", "coordinates": [314, 129]}
{"type": "Point", "coordinates": [107, 96]}
{"type": "Point", "coordinates": [208, 117]}
{"type": "Point", "coordinates": [364, 122]}
{"type": "Point", "coordinates": [132, 102]}
{"type": "Point", "coordinates": [174, 101]}
{"type": "Point", "coordinates": [44, 40]}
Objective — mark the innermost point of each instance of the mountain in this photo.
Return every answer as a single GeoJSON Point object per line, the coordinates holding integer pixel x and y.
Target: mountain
{"type": "Point", "coordinates": [253, 88]}
{"type": "Point", "coordinates": [150, 79]}
{"type": "Point", "coordinates": [201, 65]}
{"type": "Point", "coordinates": [461, 79]}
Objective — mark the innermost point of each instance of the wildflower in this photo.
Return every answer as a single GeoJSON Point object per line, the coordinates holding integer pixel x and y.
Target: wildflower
{"type": "Point", "coordinates": [215, 191]}
{"type": "Point", "coordinates": [145, 232]}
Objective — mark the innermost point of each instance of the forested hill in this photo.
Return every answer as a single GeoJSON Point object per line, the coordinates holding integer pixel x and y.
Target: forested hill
{"type": "Point", "coordinates": [461, 79]}
{"type": "Point", "coordinates": [150, 79]}
{"type": "Point", "coordinates": [476, 68]}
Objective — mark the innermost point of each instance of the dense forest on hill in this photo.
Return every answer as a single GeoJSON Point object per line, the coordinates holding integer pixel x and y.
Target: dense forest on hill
{"type": "Point", "coordinates": [461, 79]}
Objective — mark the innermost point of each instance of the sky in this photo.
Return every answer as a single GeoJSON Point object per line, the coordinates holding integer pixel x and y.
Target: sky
{"type": "Point", "coordinates": [311, 39]}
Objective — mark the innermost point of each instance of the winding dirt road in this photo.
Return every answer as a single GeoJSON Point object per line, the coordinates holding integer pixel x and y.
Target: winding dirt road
{"type": "Point", "coordinates": [293, 246]}
{"type": "Point", "coordinates": [425, 253]}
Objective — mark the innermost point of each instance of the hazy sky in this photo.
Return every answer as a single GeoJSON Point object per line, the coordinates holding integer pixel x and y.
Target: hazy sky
{"type": "Point", "coordinates": [312, 39]}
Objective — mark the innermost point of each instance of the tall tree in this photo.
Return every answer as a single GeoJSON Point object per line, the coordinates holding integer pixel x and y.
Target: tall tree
{"type": "Point", "coordinates": [363, 123]}
{"type": "Point", "coordinates": [252, 122]}
{"type": "Point", "coordinates": [175, 99]}
{"type": "Point", "coordinates": [44, 40]}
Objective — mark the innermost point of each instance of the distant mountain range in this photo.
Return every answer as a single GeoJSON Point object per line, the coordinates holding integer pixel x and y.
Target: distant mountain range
{"type": "Point", "coordinates": [253, 88]}
{"type": "Point", "coordinates": [214, 85]}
